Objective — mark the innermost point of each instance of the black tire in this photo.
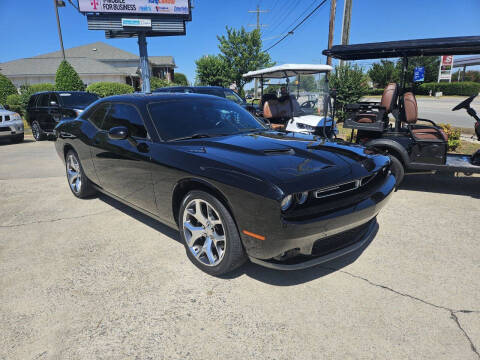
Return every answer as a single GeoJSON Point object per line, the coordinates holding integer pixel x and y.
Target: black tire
{"type": "Point", "coordinates": [84, 188]}
{"type": "Point", "coordinates": [18, 138]}
{"type": "Point", "coordinates": [234, 254]}
{"type": "Point", "coordinates": [37, 131]}
{"type": "Point", "coordinates": [397, 170]}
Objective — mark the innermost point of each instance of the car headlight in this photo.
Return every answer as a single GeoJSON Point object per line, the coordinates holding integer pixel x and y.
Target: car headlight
{"type": "Point", "coordinates": [286, 202]}
{"type": "Point", "coordinates": [301, 198]}
{"type": "Point", "coordinates": [305, 126]}
{"type": "Point", "coordinates": [16, 116]}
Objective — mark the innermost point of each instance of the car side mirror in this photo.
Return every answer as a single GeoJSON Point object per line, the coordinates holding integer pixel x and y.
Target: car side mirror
{"type": "Point", "coordinates": [118, 133]}
{"type": "Point", "coordinates": [53, 103]}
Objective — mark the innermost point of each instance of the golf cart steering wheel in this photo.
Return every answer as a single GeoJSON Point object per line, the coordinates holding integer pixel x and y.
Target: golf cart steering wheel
{"type": "Point", "coordinates": [465, 104]}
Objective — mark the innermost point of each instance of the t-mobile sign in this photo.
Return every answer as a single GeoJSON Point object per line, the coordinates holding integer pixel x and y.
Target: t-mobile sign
{"type": "Point", "coordinates": [147, 7]}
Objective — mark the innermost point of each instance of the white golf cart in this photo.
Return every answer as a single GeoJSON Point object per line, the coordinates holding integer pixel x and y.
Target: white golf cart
{"type": "Point", "coordinates": [312, 115]}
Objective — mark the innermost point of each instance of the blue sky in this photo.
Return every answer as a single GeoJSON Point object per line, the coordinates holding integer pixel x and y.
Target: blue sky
{"type": "Point", "coordinates": [28, 28]}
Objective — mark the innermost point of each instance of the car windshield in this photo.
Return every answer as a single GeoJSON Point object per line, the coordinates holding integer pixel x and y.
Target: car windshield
{"type": "Point", "coordinates": [224, 93]}
{"type": "Point", "coordinates": [77, 99]}
{"type": "Point", "coordinates": [201, 117]}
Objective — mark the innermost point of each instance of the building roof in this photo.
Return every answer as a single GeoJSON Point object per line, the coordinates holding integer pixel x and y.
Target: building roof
{"type": "Point", "coordinates": [466, 61]}
{"type": "Point", "coordinates": [91, 59]}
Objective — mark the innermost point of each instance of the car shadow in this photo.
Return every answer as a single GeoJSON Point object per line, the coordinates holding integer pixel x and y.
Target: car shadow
{"type": "Point", "coordinates": [257, 272]}
{"type": "Point", "coordinates": [443, 184]}
{"type": "Point", "coordinates": [9, 142]}
{"type": "Point", "coordinates": [145, 219]}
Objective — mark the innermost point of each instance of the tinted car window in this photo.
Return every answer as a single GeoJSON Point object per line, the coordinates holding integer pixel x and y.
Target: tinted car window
{"type": "Point", "coordinates": [32, 101]}
{"type": "Point", "coordinates": [98, 114]}
{"type": "Point", "coordinates": [81, 99]}
{"type": "Point", "coordinates": [177, 118]}
{"type": "Point", "coordinates": [214, 92]}
{"type": "Point", "coordinates": [125, 115]}
{"type": "Point", "coordinates": [232, 95]}
{"type": "Point", "coordinates": [44, 100]}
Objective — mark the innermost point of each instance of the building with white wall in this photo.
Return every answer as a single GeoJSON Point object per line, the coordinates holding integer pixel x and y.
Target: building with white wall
{"type": "Point", "coordinates": [93, 62]}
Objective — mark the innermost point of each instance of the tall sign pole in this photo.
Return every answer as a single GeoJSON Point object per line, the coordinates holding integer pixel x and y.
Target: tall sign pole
{"type": "Point", "coordinates": [259, 27]}
{"type": "Point", "coordinates": [347, 16]}
{"type": "Point", "coordinates": [144, 65]}
{"type": "Point", "coordinates": [56, 3]}
{"type": "Point", "coordinates": [331, 27]}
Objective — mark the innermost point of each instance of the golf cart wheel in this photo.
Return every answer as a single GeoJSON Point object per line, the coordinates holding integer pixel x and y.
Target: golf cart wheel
{"type": "Point", "coordinates": [37, 131]}
{"type": "Point", "coordinates": [209, 233]}
{"type": "Point", "coordinates": [397, 170]}
{"type": "Point", "coordinates": [78, 182]}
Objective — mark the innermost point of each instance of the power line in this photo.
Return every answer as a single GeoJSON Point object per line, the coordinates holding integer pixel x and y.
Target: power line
{"type": "Point", "coordinates": [284, 16]}
{"type": "Point", "coordinates": [296, 27]}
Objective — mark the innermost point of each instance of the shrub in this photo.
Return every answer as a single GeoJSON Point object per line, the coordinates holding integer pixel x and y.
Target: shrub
{"type": "Point", "coordinates": [14, 101]}
{"type": "Point", "coordinates": [6, 88]}
{"type": "Point", "coordinates": [67, 78]}
{"type": "Point", "coordinates": [453, 136]}
{"type": "Point", "coordinates": [375, 91]}
{"type": "Point", "coordinates": [156, 83]}
{"type": "Point", "coordinates": [350, 83]}
{"type": "Point", "coordinates": [104, 89]}
{"type": "Point", "coordinates": [180, 79]}
{"type": "Point", "coordinates": [465, 88]}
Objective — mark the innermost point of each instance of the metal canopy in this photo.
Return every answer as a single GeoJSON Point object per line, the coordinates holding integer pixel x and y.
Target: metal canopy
{"type": "Point", "coordinates": [468, 61]}
{"type": "Point", "coordinates": [288, 70]}
{"type": "Point", "coordinates": [465, 45]}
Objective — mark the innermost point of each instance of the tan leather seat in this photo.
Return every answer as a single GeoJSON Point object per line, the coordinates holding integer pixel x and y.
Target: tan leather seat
{"type": "Point", "coordinates": [274, 109]}
{"type": "Point", "coordinates": [388, 101]}
{"type": "Point", "coordinates": [410, 111]}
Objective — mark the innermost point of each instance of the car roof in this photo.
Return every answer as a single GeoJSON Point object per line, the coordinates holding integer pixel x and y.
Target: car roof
{"type": "Point", "coordinates": [463, 45]}
{"type": "Point", "coordinates": [190, 87]}
{"type": "Point", "coordinates": [152, 97]}
{"type": "Point", "coordinates": [62, 92]}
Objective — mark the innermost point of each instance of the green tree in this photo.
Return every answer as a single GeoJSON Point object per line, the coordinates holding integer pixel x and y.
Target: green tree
{"type": "Point", "coordinates": [211, 70]}
{"type": "Point", "coordinates": [242, 52]}
{"type": "Point", "coordinates": [350, 83]}
{"type": "Point", "coordinates": [67, 78]}
{"type": "Point", "coordinates": [307, 82]}
{"type": "Point", "coordinates": [430, 63]}
{"type": "Point", "coordinates": [180, 79]}
{"type": "Point", "coordinates": [383, 73]}
{"type": "Point", "coordinates": [6, 88]}
{"type": "Point", "coordinates": [156, 83]}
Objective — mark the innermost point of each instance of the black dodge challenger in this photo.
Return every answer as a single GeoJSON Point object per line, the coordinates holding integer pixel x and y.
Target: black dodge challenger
{"type": "Point", "coordinates": [233, 187]}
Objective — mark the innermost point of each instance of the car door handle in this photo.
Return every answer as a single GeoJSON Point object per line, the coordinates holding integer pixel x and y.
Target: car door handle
{"type": "Point", "coordinates": [143, 147]}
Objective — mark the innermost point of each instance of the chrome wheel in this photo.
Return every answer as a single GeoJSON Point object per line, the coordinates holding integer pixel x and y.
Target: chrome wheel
{"type": "Point", "coordinates": [204, 232]}
{"type": "Point", "coordinates": [74, 174]}
{"type": "Point", "coordinates": [36, 131]}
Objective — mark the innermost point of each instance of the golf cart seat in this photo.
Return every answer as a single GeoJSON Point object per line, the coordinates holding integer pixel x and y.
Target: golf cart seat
{"type": "Point", "coordinates": [372, 116]}
{"type": "Point", "coordinates": [419, 132]}
{"type": "Point", "coordinates": [280, 111]}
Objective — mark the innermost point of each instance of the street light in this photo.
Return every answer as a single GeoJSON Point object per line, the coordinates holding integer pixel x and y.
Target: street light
{"type": "Point", "coordinates": [59, 3]}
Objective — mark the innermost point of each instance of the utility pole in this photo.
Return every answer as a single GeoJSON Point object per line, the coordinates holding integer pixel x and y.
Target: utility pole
{"type": "Point", "coordinates": [259, 27]}
{"type": "Point", "coordinates": [59, 3]}
{"type": "Point", "coordinates": [347, 16]}
{"type": "Point", "coordinates": [331, 27]}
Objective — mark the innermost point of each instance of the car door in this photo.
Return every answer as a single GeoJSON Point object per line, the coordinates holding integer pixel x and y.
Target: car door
{"type": "Point", "coordinates": [124, 166]}
{"type": "Point", "coordinates": [54, 111]}
{"type": "Point", "coordinates": [42, 111]}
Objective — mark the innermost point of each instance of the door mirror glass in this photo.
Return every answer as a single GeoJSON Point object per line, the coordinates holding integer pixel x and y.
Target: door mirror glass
{"type": "Point", "coordinates": [53, 103]}
{"type": "Point", "coordinates": [118, 133]}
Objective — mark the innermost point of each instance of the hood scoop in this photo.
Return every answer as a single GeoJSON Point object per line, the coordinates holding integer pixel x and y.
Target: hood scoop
{"type": "Point", "coordinates": [288, 151]}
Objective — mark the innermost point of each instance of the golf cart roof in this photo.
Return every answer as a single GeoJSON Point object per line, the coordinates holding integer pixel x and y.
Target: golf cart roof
{"type": "Point", "coordinates": [463, 45]}
{"type": "Point", "coordinates": [288, 70]}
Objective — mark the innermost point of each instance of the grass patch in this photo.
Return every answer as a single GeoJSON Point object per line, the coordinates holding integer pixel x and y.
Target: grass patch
{"type": "Point", "coordinates": [467, 147]}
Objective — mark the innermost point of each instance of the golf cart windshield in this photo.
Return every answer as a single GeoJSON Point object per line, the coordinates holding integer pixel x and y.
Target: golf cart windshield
{"type": "Point", "coordinates": [307, 93]}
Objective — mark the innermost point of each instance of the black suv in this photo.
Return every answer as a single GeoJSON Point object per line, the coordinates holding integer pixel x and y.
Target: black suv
{"type": "Point", "coordinates": [46, 109]}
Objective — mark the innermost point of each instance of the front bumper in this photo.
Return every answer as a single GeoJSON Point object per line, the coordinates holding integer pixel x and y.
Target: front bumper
{"type": "Point", "coordinates": [302, 236]}
{"type": "Point", "coordinates": [11, 128]}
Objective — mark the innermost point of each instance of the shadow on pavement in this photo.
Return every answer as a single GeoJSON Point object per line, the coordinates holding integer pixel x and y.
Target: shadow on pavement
{"type": "Point", "coordinates": [443, 184]}
{"type": "Point", "coordinates": [257, 272]}
{"type": "Point", "coordinates": [9, 142]}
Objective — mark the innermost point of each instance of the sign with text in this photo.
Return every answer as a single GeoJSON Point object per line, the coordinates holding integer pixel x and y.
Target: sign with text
{"type": "Point", "coordinates": [137, 23]}
{"type": "Point", "coordinates": [446, 65]}
{"type": "Point", "coordinates": [419, 74]}
{"type": "Point", "coordinates": [146, 7]}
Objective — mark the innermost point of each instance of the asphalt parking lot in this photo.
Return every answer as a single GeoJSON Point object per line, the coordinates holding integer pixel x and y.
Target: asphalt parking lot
{"type": "Point", "coordinates": [92, 279]}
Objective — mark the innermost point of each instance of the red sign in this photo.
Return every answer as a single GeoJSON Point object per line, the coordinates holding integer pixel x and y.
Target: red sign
{"type": "Point", "coordinates": [447, 60]}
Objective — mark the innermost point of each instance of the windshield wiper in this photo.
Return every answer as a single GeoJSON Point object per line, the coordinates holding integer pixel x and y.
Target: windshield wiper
{"type": "Point", "coordinates": [197, 136]}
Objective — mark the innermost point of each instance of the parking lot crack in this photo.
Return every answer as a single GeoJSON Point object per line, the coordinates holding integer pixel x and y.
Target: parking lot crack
{"type": "Point", "coordinates": [55, 220]}
{"type": "Point", "coordinates": [452, 312]}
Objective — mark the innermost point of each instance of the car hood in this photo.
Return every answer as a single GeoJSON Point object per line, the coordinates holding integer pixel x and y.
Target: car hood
{"type": "Point", "coordinates": [294, 162]}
